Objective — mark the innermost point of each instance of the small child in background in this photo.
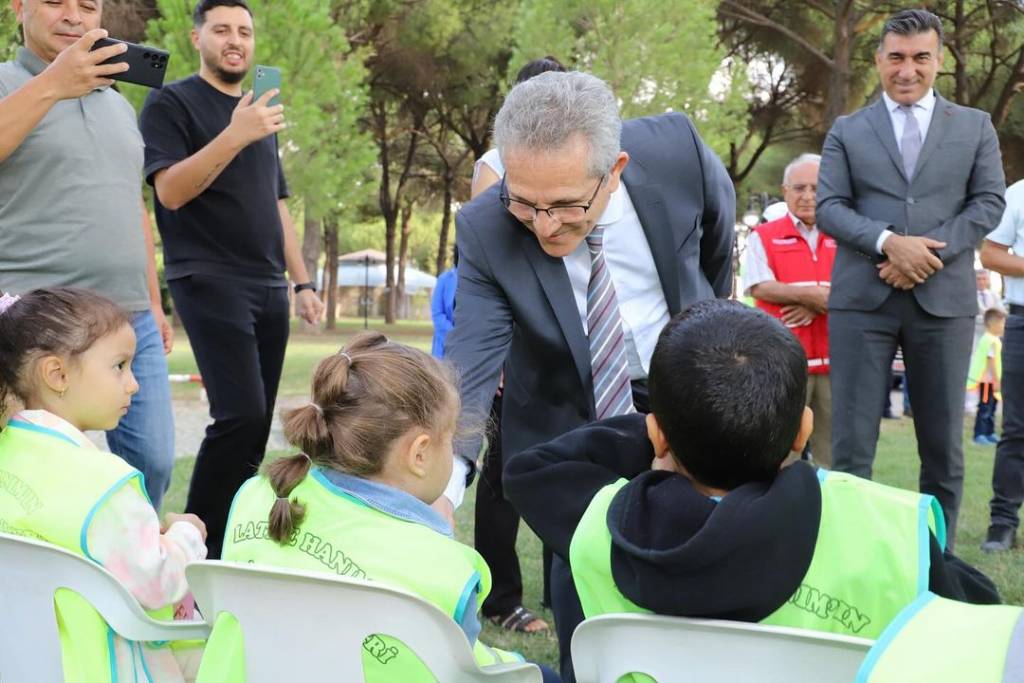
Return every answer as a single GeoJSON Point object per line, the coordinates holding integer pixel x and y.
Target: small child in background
{"type": "Point", "coordinates": [65, 367]}
{"type": "Point", "coordinates": [986, 374]}
{"type": "Point", "coordinates": [376, 444]}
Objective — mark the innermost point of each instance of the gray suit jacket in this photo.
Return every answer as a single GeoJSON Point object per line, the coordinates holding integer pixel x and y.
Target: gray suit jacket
{"type": "Point", "coordinates": [514, 301]}
{"type": "Point", "coordinates": [955, 196]}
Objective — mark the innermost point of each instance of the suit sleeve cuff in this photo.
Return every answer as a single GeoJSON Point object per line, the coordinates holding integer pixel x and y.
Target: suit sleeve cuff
{"type": "Point", "coordinates": [881, 240]}
{"type": "Point", "coordinates": [460, 479]}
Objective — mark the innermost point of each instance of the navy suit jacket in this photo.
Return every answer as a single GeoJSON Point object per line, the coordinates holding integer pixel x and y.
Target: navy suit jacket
{"type": "Point", "coordinates": [515, 302]}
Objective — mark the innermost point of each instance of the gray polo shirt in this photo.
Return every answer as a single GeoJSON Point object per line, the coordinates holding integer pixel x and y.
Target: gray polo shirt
{"type": "Point", "coordinates": [71, 197]}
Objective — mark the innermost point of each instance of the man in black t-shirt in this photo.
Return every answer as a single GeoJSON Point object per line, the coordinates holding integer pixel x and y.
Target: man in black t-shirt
{"type": "Point", "coordinates": [211, 155]}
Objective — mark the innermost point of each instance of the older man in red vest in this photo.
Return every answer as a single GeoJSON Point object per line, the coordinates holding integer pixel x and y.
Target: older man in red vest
{"type": "Point", "coordinates": [788, 270]}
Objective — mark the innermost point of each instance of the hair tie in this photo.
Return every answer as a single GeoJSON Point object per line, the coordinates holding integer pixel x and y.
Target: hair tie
{"type": "Point", "coordinates": [285, 499]}
{"type": "Point", "coordinates": [318, 408]}
{"type": "Point", "coordinates": [8, 300]}
{"type": "Point", "coordinates": [307, 458]}
{"type": "Point", "coordinates": [345, 356]}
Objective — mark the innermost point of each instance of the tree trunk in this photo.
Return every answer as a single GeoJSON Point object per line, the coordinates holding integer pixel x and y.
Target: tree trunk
{"type": "Point", "coordinates": [331, 271]}
{"type": "Point", "coordinates": [446, 223]}
{"type": "Point", "coordinates": [1013, 85]}
{"type": "Point", "coordinates": [839, 78]}
{"type": "Point", "coordinates": [960, 94]}
{"type": "Point", "coordinates": [311, 238]}
{"type": "Point", "coordinates": [403, 258]}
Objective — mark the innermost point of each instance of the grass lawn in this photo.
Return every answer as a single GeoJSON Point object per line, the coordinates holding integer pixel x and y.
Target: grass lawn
{"type": "Point", "coordinates": [896, 464]}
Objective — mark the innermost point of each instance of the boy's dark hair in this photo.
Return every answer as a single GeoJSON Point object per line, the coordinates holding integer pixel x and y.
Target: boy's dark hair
{"type": "Point", "coordinates": [204, 6]}
{"type": "Point", "coordinates": [992, 315]}
{"type": "Point", "coordinates": [538, 67]}
{"type": "Point", "coordinates": [59, 321]}
{"type": "Point", "coordinates": [727, 386]}
{"type": "Point", "coordinates": [910, 22]}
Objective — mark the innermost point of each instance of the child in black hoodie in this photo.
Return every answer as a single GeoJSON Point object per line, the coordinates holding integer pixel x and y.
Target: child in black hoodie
{"type": "Point", "coordinates": [686, 511]}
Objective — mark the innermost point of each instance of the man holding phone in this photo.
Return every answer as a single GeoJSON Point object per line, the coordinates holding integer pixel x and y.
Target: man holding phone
{"type": "Point", "coordinates": [212, 157]}
{"type": "Point", "coordinates": [71, 206]}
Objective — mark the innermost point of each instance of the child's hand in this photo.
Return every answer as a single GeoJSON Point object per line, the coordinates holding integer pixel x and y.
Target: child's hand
{"type": "Point", "coordinates": [171, 517]}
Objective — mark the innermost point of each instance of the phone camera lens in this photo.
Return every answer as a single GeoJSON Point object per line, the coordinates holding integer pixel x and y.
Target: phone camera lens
{"type": "Point", "coordinates": [145, 55]}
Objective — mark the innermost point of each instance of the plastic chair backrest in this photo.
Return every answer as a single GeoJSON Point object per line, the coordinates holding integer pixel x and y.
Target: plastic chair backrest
{"type": "Point", "coordinates": [678, 650]}
{"type": "Point", "coordinates": [31, 572]}
{"type": "Point", "coordinates": [306, 626]}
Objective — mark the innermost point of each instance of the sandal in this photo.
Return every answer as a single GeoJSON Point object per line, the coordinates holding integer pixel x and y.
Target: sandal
{"type": "Point", "coordinates": [518, 620]}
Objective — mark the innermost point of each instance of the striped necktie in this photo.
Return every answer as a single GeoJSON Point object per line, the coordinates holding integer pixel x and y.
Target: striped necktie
{"type": "Point", "coordinates": [613, 393]}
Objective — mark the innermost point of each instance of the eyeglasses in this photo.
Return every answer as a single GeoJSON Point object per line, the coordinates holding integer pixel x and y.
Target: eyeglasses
{"type": "Point", "coordinates": [801, 188]}
{"type": "Point", "coordinates": [525, 211]}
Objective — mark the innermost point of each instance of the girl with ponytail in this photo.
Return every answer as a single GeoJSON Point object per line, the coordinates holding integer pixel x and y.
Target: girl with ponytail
{"type": "Point", "coordinates": [375, 450]}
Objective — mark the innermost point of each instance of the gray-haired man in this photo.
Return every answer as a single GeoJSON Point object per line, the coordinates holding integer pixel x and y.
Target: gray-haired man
{"type": "Point", "coordinates": [599, 232]}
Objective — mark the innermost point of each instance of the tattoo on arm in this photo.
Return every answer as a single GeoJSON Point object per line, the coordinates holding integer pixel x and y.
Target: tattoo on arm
{"type": "Point", "coordinates": [214, 172]}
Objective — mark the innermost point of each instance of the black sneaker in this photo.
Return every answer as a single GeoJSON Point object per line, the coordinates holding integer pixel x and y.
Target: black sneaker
{"type": "Point", "coordinates": [1000, 538]}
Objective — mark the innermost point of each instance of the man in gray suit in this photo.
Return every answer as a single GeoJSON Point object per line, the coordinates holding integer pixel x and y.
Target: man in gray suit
{"type": "Point", "coordinates": [908, 187]}
{"type": "Point", "coordinates": [599, 232]}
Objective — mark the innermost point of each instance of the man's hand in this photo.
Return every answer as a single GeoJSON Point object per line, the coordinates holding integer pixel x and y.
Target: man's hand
{"type": "Point", "coordinates": [893, 277]}
{"type": "Point", "coordinates": [444, 506]}
{"type": "Point", "coordinates": [76, 71]}
{"type": "Point", "coordinates": [310, 306]}
{"type": "Point", "coordinates": [172, 517]}
{"type": "Point", "coordinates": [816, 299]}
{"type": "Point", "coordinates": [796, 315]}
{"type": "Point", "coordinates": [166, 333]}
{"type": "Point", "coordinates": [913, 257]}
{"type": "Point", "coordinates": [252, 121]}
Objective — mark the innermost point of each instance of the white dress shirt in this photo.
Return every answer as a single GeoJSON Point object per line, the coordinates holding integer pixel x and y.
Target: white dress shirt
{"type": "Point", "coordinates": [1010, 233]}
{"type": "Point", "coordinates": [755, 261]}
{"type": "Point", "coordinates": [922, 111]}
{"type": "Point", "coordinates": [637, 287]}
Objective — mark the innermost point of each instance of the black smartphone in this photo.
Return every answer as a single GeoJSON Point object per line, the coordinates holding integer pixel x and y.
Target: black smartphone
{"type": "Point", "coordinates": [146, 65]}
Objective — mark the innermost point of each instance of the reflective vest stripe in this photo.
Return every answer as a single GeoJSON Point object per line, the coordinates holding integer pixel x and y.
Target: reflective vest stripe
{"type": "Point", "coordinates": [817, 362]}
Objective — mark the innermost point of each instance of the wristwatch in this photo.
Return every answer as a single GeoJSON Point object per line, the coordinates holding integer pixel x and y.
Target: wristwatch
{"type": "Point", "coordinates": [304, 286]}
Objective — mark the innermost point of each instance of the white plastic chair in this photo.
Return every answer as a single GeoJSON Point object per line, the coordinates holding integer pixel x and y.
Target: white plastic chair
{"type": "Point", "coordinates": [679, 650]}
{"type": "Point", "coordinates": [308, 626]}
{"type": "Point", "coordinates": [31, 572]}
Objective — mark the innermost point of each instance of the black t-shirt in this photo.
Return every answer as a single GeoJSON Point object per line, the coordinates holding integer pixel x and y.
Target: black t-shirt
{"type": "Point", "coordinates": [233, 228]}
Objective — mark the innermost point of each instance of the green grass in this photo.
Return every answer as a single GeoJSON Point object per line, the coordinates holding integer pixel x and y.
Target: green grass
{"type": "Point", "coordinates": [305, 350]}
{"type": "Point", "coordinates": [896, 464]}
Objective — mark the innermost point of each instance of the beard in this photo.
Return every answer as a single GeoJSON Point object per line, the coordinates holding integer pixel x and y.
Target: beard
{"type": "Point", "coordinates": [229, 77]}
{"type": "Point", "coordinates": [213, 62]}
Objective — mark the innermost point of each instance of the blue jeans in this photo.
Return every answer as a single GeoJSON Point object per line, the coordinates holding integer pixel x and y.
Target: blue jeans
{"type": "Point", "coordinates": [145, 436]}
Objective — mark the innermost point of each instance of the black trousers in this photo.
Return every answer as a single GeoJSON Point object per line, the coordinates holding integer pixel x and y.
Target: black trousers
{"type": "Point", "coordinates": [238, 332]}
{"type": "Point", "coordinates": [1008, 472]}
{"type": "Point", "coordinates": [496, 526]}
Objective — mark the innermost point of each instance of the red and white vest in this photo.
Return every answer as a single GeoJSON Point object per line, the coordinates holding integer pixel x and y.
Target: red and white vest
{"type": "Point", "coordinates": [793, 263]}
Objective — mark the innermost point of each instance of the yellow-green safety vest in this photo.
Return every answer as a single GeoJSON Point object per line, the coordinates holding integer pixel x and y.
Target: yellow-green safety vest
{"type": "Point", "coordinates": [50, 489]}
{"type": "Point", "coordinates": [979, 359]}
{"type": "Point", "coordinates": [341, 535]}
{"type": "Point", "coordinates": [944, 641]}
{"type": "Point", "coordinates": [871, 558]}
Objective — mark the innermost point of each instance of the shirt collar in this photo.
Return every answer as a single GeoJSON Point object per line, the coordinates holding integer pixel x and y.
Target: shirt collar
{"type": "Point", "coordinates": [387, 499]}
{"type": "Point", "coordinates": [799, 224]}
{"type": "Point", "coordinates": [30, 61]}
{"type": "Point", "coordinates": [55, 423]}
{"type": "Point", "coordinates": [616, 206]}
{"type": "Point", "coordinates": [926, 103]}
{"type": "Point", "coordinates": [34, 64]}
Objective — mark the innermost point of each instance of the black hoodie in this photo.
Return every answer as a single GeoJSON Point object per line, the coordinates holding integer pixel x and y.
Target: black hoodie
{"type": "Point", "coordinates": [670, 554]}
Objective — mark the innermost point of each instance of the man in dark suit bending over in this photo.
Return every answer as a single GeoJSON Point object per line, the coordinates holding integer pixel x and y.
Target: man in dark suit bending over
{"type": "Point", "coordinates": [598, 233]}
